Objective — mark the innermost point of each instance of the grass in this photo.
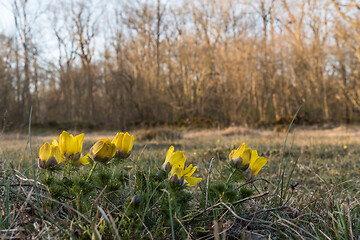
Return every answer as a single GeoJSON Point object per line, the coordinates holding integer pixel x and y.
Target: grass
{"type": "Point", "coordinates": [320, 197]}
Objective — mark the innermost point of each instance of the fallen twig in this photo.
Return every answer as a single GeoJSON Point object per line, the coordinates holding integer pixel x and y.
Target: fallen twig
{"type": "Point", "coordinates": [251, 181]}
{"type": "Point", "coordinates": [207, 183]}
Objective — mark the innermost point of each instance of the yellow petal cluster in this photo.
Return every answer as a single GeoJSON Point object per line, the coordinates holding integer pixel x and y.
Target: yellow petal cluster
{"type": "Point", "coordinates": [173, 158]}
{"type": "Point", "coordinates": [256, 163]}
{"type": "Point", "coordinates": [103, 150]}
{"type": "Point", "coordinates": [123, 143]}
{"type": "Point", "coordinates": [241, 156]}
{"type": "Point", "coordinates": [188, 171]}
{"type": "Point", "coordinates": [71, 147]}
{"type": "Point", "coordinates": [179, 174]}
{"type": "Point", "coordinates": [248, 160]}
{"type": "Point", "coordinates": [49, 156]}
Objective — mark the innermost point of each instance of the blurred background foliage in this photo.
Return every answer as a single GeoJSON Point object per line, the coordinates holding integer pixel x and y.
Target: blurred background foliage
{"type": "Point", "coordinates": [205, 63]}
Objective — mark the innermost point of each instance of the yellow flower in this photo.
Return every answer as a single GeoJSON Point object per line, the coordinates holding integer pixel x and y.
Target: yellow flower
{"type": "Point", "coordinates": [124, 143]}
{"type": "Point", "coordinates": [241, 156]}
{"type": "Point", "coordinates": [179, 175]}
{"type": "Point", "coordinates": [176, 175]}
{"type": "Point", "coordinates": [71, 147]}
{"type": "Point", "coordinates": [173, 158]}
{"type": "Point", "coordinates": [345, 147]}
{"type": "Point", "coordinates": [83, 160]}
{"type": "Point", "coordinates": [49, 156]}
{"type": "Point", "coordinates": [256, 163]}
{"type": "Point", "coordinates": [191, 181]}
{"type": "Point", "coordinates": [103, 150]}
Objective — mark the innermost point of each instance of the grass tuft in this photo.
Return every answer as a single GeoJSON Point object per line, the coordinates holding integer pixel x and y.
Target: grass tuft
{"type": "Point", "coordinates": [306, 191]}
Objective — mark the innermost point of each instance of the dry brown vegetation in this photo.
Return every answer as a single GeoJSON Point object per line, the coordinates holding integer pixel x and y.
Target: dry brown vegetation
{"type": "Point", "coordinates": [304, 137]}
{"type": "Point", "coordinates": [321, 201]}
{"type": "Point", "coordinates": [233, 61]}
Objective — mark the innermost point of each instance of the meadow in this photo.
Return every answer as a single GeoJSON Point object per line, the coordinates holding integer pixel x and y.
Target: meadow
{"type": "Point", "coordinates": [309, 188]}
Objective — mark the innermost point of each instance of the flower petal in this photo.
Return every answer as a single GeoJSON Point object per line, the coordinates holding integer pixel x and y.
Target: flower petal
{"type": "Point", "coordinates": [45, 152]}
{"type": "Point", "coordinates": [168, 155]}
{"type": "Point", "coordinates": [246, 156]}
{"type": "Point", "coordinates": [192, 181]}
{"type": "Point", "coordinates": [254, 155]}
{"type": "Point", "coordinates": [177, 158]}
{"type": "Point", "coordinates": [188, 171]}
{"type": "Point", "coordinates": [78, 142]}
{"type": "Point", "coordinates": [177, 170]}
{"type": "Point", "coordinates": [64, 142]}
{"type": "Point", "coordinates": [54, 142]}
{"type": "Point", "coordinates": [239, 151]}
{"type": "Point", "coordinates": [257, 164]}
{"type": "Point", "coordinates": [112, 150]}
{"type": "Point", "coordinates": [84, 160]}
{"type": "Point", "coordinates": [57, 154]}
{"type": "Point", "coordinates": [97, 147]}
{"type": "Point", "coordinates": [127, 143]}
{"type": "Point", "coordinates": [118, 139]}
{"type": "Point", "coordinates": [231, 154]}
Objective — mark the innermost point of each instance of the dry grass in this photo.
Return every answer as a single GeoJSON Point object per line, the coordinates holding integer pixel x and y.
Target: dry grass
{"type": "Point", "coordinates": [342, 135]}
{"type": "Point", "coordinates": [319, 150]}
{"type": "Point", "coordinates": [327, 165]}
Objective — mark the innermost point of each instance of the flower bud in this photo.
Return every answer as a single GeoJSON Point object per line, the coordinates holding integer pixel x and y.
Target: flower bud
{"type": "Point", "coordinates": [136, 199]}
{"type": "Point", "coordinates": [245, 167]}
{"type": "Point", "coordinates": [123, 143]}
{"type": "Point", "coordinates": [121, 155]}
{"type": "Point", "coordinates": [51, 162]}
{"type": "Point", "coordinates": [247, 174]}
{"type": "Point", "coordinates": [177, 181]}
{"type": "Point", "coordinates": [167, 167]}
{"type": "Point", "coordinates": [103, 150]}
{"type": "Point", "coordinates": [73, 157]}
{"type": "Point", "coordinates": [237, 162]}
{"type": "Point", "coordinates": [49, 156]}
{"type": "Point", "coordinates": [160, 175]}
{"type": "Point", "coordinates": [70, 146]}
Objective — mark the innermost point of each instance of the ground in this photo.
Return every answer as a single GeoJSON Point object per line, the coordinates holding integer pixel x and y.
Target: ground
{"type": "Point", "coordinates": [326, 164]}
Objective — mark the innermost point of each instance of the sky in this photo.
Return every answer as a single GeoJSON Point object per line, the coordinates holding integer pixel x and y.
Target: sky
{"type": "Point", "coordinates": [47, 41]}
{"type": "Point", "coordinates": [37, 12]}
{"type": "Point", "coordinates": [6, 18]}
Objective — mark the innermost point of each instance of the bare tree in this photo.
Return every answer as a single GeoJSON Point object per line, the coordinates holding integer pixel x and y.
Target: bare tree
{"type": "Point", "coordinates": [165, 61]}
{"type": "Point", "coordinates": [23, 28]}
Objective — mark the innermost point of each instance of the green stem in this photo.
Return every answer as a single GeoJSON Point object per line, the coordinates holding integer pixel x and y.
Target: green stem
{"type": "Point", "coordinates": [67, 169]}
{"type": "Point", "coordinates": [230, 176]}
{"type": "Point", "coordinates": [32, 158]}
{"type": "Point", "coordinates": [171, 218]}
{"type": "Point", "coordinates": [78, 196]}
{"type": "Point", "coordinates": [127, 208]}
{"type": "Point", "coordinates": [91, 171]}
{"type": "Point", "coordinates": [7, 205]}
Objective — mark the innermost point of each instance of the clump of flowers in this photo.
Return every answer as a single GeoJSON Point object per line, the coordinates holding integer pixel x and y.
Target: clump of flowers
{"type": "Point", "coordinates": [68, 150]}
{"type": "Point", "coordinates": [168, 188]}
{"type": "Point", "coordinates": [247, 160]}
{"type": "Point", "coordinates": [179, 174]}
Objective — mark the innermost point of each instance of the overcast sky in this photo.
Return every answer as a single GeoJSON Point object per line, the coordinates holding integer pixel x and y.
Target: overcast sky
{"type": "Point", "coordinates": [7, 19]}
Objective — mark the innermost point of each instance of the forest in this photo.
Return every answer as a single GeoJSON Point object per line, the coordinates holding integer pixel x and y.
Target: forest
{"type": "Point", "coordinates": [117, 64]}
